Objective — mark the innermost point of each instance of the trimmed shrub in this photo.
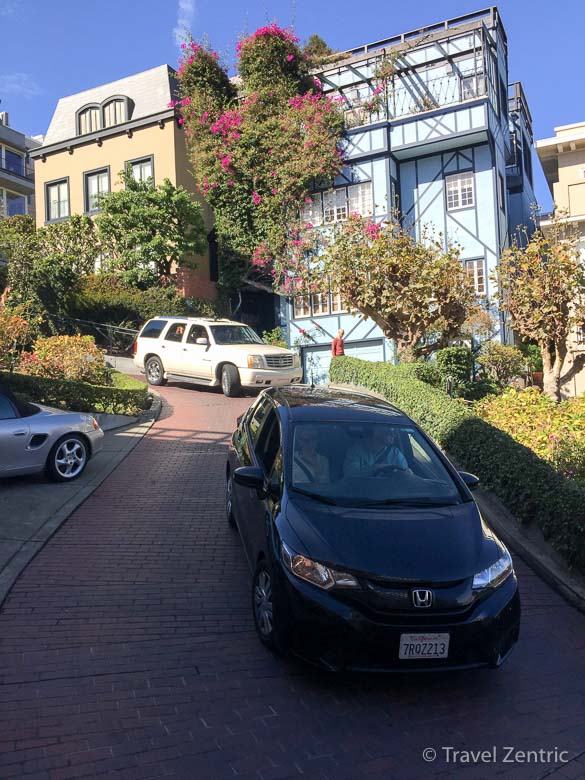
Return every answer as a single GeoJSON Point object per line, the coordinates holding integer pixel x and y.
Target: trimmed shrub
{"type": "Point", "coordinates": [526, 484]}
{"type": "Point", "coordinates": [106, 300]}
{"type": "Point", "coordinates": [66, 357]}
{"type": "Point", "coordinates": [457, 363]}
{"type": "Point", "coordinates": [426, 372]}
{"type": "Point", "coordinates": [77, 396]}
{"type": "Point", "coordinates": [14, 334]}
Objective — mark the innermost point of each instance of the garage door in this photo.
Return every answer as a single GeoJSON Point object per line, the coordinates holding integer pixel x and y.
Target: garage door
{"type": "Point", "coordinates": [316, 360]}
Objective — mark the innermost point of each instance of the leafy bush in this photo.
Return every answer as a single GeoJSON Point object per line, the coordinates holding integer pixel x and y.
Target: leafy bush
{"type": "Point", "coordinates": [426, 372]}
{"type": "Point", "coordinates": [14, 334]}
{"type": "Point", "coordinates": [78, 396]}
{"type": "Point", "coordinates": [66, 357]}
{"type": "Point", "coordinates": [275, 337]}
{"type": "Point", "coordinates": [528, 485]}
{"type": "Point", "coordinates": [105, 299]}
{"type": "Point", "coordinates": [502, 361]}
{"type": "Point", "coordinates": [457, 363]}
{"type": "Point", "coordinates": [555, 432]}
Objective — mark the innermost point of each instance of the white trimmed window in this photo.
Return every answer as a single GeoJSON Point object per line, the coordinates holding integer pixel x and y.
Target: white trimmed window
{"type": "Point", "coordinates": [337, 304]}
{"type": "Point", "coordinates": [142, 169]}
{"type": "Point", "coordinates": [475, 269]}
{"type": "Point", "coordinates": [302, 306]}
{"type": "Point", "coordinates": [320, 303]}
{"type": "Point", "coordinates": [339, 203]}
{"type": "Point", "coordinates": [460, 191]}
{"type": "Point", "coordinates": [312, 211]}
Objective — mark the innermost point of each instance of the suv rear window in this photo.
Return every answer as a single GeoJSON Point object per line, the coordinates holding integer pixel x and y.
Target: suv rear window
{"type": "Point", "coordinates": [153, 329]}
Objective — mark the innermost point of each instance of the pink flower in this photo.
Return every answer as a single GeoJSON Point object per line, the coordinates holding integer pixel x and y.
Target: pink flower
{"type": "Point", "coordinates": [180, 120]}
{"type": "Point", "coordinates": [308, 200]}
{"type": "Point", "coordinates": [378, 90]}
{"type": "Point", "coordinates": [274, 190]}
{"type": "Point", "coordinates": [290, 57]}
{"type": "Point", "coordinates": [309, 225]}
{"type": "Point", "coordinates": [230, 183]}
{"type": "Point", "coordinates": [226, 162]}
{"type": "Point", "coordinates": [256, 198]}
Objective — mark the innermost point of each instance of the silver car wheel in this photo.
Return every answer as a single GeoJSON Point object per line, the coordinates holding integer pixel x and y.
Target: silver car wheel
{"type": "Point", "coordinates": [70, 458]}
{"type": "Point", "coordinates": [225, 383]}
{"type": "Point", "coordinates": [263, 603]}
{"type": "Point", "coordinates": [154, 371]}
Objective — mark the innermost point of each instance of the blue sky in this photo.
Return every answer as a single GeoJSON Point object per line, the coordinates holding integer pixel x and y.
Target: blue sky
{"type": "Point", "coordinates": [53, 49]}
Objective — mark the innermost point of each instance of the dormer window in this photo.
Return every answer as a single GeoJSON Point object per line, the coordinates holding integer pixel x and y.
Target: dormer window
{"type": "Point", "coordinates": [89, 120]}
{"type": "Point", "coordinates": [115, 112]}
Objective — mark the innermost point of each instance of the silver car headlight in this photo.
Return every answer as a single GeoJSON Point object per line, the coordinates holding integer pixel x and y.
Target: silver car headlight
{"type": "Point", "coordinates": [316, 573]}
{"type": "Point", "coordinates": [296, 361]}
{"type": "Point", "coordinates": [255, 361]}
{"type": "Point", "coordinates": [494, 574]}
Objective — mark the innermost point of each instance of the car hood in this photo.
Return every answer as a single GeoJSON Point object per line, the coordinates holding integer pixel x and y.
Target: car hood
{"type": "Point", "coordinates": [440, 544]}
{"type": "Point", "coordinates": [257, 349]}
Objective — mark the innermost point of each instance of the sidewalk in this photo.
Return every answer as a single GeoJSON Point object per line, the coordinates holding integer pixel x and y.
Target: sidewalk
{"type": "Point", "coordinates": [32, 508]}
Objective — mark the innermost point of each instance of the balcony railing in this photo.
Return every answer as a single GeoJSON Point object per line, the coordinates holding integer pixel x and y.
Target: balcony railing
{"type": "Point", "coordinates": [23, 171]}
{"type": "Point", "coordinates": [414, 97]}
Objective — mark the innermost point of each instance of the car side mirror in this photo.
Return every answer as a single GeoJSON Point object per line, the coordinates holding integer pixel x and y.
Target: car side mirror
{"type": "Point", "coordinates": [470, 479]}
{"type": "Point", "coordinates": [202, 341]}
{"type": "Point", "coordinates": [250, 477]}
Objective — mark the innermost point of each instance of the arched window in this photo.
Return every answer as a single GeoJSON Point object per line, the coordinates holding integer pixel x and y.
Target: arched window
{"type": "Point", "coordinates": [115, 112]}
{"type": "Point", "coordinates": [88, 120]}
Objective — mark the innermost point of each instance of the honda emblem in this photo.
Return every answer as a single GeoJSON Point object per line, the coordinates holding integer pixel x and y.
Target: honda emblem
{"type": "Point", "coordinates": [422, 598]}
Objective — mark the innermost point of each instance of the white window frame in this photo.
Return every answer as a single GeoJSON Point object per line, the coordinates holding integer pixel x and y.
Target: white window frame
{"type": "Point", "coordinates": [138, 165]}
{"type": "Point", "coordinates": [48, 187]}
{"type": "Point", "coordinates": [86, 194]}
{"type": "Point", "coordinates": [339, 203]}
{"type": "Point", "coordinates": [458, 189]}
{"type": "Point", "coordinates": [320, 304]}
{"type": "Point", "coordinates": [475, 269]}
{"type": "Point", "coordinates": [301, 306]}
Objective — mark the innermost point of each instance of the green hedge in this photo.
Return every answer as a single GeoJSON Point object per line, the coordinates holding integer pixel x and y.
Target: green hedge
{"type": "Point", "coordinates": [77, 396]}
{"type": "Point", "coordinates": [530, 488]}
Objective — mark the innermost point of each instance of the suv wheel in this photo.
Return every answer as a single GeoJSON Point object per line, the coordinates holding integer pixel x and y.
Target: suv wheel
{"type": "Point", "coordinates": [230, 380]}
{"type": "Point", "coordinates": [269, 611]}
{"type": "Point", "coordinates": [229, 501]}
{"type": "Point", "coordinates": [155, 373]}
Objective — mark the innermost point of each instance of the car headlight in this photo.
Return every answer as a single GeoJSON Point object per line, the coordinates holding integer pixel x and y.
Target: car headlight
{"type": "Point", "coordinates": [494, 574]}
{"type": "Point", "coordinates": [296, 361]}
{"type": "Point", "coordinates": [255, 361]}
{"type": "Point", "coordinates": [316, 573]}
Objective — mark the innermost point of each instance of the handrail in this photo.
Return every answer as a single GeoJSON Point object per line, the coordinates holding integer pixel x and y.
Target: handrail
{"type": "Point", "coordinates": [25, 172]}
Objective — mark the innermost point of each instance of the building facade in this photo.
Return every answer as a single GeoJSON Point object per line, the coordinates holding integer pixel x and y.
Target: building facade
{"type": "Point", "coordinates": [563, 161]}
{"type": "Point", "coordinates": [447, 144]}
{"type": "Point", "coordinates": [96, 134]}
{"type": "Point", "coordinates": [17, 187]}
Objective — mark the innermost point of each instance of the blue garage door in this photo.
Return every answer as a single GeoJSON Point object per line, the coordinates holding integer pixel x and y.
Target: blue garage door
{"type": "Point", "coordinates": [316, 359]}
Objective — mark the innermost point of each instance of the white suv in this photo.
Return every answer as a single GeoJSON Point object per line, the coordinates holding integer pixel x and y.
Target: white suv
{"type": "Point", "coordinates": [212, 352]}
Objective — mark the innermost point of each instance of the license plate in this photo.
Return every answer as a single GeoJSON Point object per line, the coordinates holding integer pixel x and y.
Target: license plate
{"type": "Point", "coordinates": [423, 646]}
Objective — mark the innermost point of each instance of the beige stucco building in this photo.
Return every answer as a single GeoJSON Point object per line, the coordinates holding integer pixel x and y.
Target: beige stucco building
{"type": "Point", "coordinates": [563, 160]}
{"type": "Point", "coordinates": [96, 134]}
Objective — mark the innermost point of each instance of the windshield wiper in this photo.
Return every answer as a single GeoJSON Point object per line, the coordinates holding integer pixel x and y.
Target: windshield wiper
{"type": "Point", "coordinates": [431, 502]}
{"type": "Point", "coordinates": [316, 496]}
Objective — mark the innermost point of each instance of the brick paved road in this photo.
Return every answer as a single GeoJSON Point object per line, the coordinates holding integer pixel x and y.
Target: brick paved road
{"type": "Point", "coordinates": [127, 650]}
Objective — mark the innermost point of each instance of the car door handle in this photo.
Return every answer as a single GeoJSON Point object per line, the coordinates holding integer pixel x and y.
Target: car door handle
{"type": "Point", "coordinates": [20, 433]}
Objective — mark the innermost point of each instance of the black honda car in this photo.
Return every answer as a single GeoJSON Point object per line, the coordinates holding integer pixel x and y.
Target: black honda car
{"type": "Point", "coordinates": [367, 549]}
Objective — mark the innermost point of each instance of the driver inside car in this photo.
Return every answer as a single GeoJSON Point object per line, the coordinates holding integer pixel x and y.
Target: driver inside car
{"type": "Point", "coordinates": [377, 455]}
{"type": "Point", "coordinates": [308, 464]}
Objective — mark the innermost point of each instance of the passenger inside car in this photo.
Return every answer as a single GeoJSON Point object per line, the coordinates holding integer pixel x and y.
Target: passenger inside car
{"type": "Point", "coordinates": [309, 465]}
{"type": "Point", "coordinates": [375, 454]}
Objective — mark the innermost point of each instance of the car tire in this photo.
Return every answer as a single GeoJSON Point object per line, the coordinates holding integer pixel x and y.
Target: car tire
{"type": "Point", "coordinates": [270, 611]}
{"type": "Point", "coordinates": [230, 381]}
{"type": "Point", "coordinates": [155, 373]}
{"type": "Point", "coordinates": [229, 501]}
{"type": "Point", "coordinates": [68, 458]}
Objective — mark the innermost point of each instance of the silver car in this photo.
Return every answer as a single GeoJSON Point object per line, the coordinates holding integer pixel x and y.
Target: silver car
{"type": "Point", "coordinates": [36, 438]}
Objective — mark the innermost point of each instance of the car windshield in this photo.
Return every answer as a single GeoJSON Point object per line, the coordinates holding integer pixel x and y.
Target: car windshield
{"type": "Point", "coordinates": [368, 464]}
{"type": "Point", "coordinates": [235, 334]}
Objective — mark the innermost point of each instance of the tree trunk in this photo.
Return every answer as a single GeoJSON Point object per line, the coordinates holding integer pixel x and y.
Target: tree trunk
{"type": "Point", "coordinates": [550, 377]}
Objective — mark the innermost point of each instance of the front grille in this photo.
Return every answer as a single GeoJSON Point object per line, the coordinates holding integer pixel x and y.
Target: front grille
{"type": "Point", "coordinates": [279, 361]}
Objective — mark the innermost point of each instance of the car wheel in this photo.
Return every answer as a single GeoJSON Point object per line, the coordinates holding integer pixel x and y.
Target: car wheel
{"type": "Point", "coordinates": [155, 373]}
{"type": "Point", "coordinates": [68, 458]}
{"type": "Point", "coordinates": [229, 501]}
{"type": "Point", "coordinates": [269, 611]}
{"type": "Point", "coordinates": [230, 381]}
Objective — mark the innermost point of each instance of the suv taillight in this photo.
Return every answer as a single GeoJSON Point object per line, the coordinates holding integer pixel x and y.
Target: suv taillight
{"type": "Point", "coordinates": [135, 347]}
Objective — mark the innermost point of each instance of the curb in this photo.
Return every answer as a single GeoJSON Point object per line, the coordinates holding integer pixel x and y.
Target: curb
{"type": "Point", "coordinates": [32, 547]}
{"type": "Point", "coordinates": [526, 541]}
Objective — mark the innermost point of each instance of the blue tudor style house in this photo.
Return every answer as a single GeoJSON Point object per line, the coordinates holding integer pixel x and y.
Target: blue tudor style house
{"type": "Point", "coordinates": [449, 145]}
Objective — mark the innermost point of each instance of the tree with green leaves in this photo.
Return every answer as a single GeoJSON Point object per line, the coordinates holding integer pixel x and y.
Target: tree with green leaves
{"type": "Point", "coordinates": [415, 290]}
{"type": "Point", "coordinates": [542, 289]}
{"type": "Point", "coordinates": [257, 145]}
{"type": "Point", "coordinates": [504, 362]}
{"type": "Point", "coordinates": [146, 232]}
